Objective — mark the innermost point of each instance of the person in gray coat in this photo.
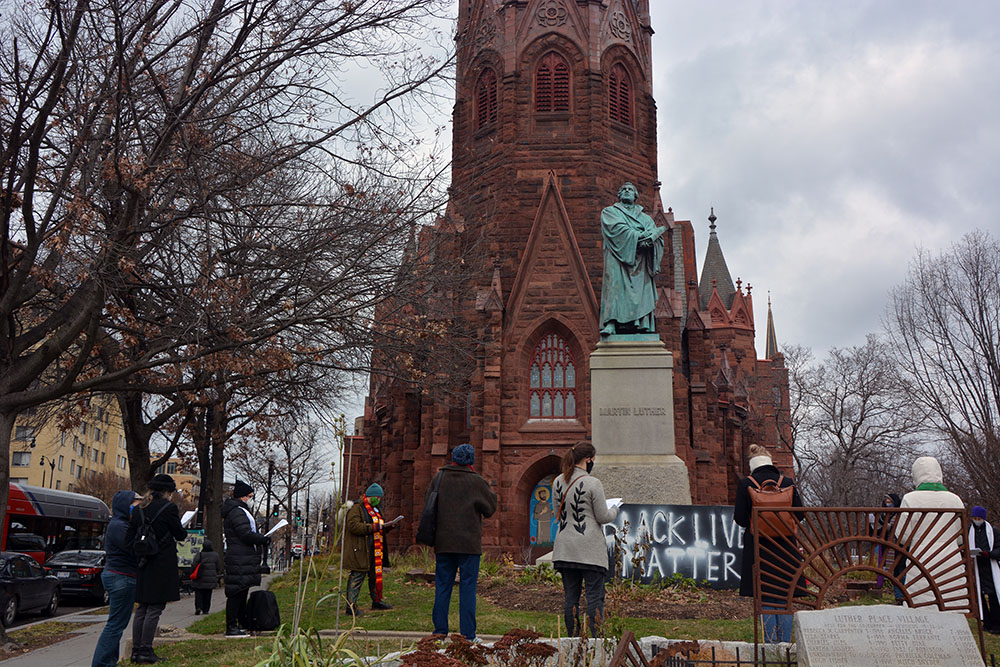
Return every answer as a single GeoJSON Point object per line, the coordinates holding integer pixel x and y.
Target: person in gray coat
{"type": "Point", "coordinates": [209, 565]}
{"type": "Point", "coordinates": [580, 553]}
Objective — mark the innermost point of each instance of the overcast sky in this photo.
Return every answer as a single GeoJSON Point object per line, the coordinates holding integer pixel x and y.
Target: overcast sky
{"type": "Point", "coordinates": [833, 140]}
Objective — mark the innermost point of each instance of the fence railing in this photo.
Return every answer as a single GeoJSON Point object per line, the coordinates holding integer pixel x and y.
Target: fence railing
{"type": "Point", "coordinates": [924, 553]}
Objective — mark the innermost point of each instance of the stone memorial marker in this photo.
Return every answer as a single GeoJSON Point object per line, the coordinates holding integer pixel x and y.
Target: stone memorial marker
{"type": "Point", "coordinates": [884, 636]}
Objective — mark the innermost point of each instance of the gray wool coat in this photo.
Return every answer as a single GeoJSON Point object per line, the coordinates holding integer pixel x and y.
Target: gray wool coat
{"type": "Point", "coordinates": [581, 515]}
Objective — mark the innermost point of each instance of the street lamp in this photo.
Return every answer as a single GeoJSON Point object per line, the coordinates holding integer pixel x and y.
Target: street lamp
{"type": "Point", "coordinates": [52, 467]}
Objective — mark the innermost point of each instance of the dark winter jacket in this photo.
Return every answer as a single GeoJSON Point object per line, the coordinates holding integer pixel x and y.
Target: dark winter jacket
{"type": "Point", "coordinates": [359, 539]}
{"type": "Point", "coordinates": [211, 567]}
{"type": "Point", "coordinates": [464, 499]}
{"type": "Point", "coordinates": [778, 555]}
{"type": "Point", "coordinates": [120, 558]}
{"type": "Point", "coordinates": [244, 547]}
{"type": "Point", "coordinates": [159, 579]}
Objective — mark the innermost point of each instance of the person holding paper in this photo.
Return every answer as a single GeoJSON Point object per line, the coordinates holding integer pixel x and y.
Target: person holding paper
{"type": "Point", "coordinates": [580, 553]}
{"type": "Point", "coordinates": [209, 566]}
{"type": "Point", "coordinates": [364, 549]}
{"type": "Point", "coordinates": [244, 548]}
{"type": "Point", "coordinates": [986, 552]}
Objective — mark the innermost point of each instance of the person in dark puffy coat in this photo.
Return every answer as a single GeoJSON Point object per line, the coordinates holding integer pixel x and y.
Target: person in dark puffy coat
{"type": "Point", "coordinates": [244, 548]}
{"type": "Point", "coordinates": [158, 581]}
{"type": "Point", "coordinates": [118, 579]}
{"type": "Point", "coordinates": [209, 566]}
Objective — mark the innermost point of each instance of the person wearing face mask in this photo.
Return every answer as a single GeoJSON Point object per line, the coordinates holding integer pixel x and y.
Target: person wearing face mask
{"type": "Point", "coordinates": [244, 548]}
{"type": "Point", "coordinates": [986, 552]}
{"type": "Point", "coordinates": [364, 549]}
{"type": "Point", "coordinates": [580, 552]}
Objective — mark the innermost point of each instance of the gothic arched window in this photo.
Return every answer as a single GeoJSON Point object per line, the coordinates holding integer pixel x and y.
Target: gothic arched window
{"type": "Point", "coordinates": [620, 95]}
{"type": "Point", "coordinates": [486, 98]}
{"type": "Point", "coordinates": [552, 84]}
{"type": "Point", "coordinates": [552, 379]}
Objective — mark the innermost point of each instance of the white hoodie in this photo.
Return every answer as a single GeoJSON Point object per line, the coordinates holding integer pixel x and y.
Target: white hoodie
{"type": "Point", "coordinates": [921, 533]}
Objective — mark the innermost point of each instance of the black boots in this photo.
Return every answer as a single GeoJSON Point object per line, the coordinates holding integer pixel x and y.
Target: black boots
{"type": "Point", "coordinates": [145, 656]}
{"type": "Point", "coordinates": [381, 605]}
{"type": "Point", "coordinates": [236, 631]}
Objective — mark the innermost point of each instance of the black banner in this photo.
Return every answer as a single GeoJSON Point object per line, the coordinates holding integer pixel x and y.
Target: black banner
{"type": "Point", "coordinates": [700, 542]}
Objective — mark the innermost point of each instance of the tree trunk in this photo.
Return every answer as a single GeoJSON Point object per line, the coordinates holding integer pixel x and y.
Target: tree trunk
{"type": "Point", "coordinates": [137, 437]}
{"type": "Point", "coordinates": [6, 428]}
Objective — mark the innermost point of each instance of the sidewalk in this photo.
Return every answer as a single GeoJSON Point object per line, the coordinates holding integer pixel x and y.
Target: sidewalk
{"type": "Point", "coordinates": [78, 651]}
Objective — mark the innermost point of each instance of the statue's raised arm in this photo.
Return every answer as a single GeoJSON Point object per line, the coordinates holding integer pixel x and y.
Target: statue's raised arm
{"type": "Point", "coordinates": [633, 249]}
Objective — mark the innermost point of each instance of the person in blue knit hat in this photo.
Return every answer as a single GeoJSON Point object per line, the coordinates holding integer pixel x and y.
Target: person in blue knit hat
{"type": "Point", "coordinates": [464, 500]}
{"type": "Point", "coordinates": [365, 553]}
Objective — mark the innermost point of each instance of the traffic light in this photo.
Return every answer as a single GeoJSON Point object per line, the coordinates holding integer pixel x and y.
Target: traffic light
{"type": "Point", "coordinates": [298, 516]}
{"type": "Point", "coordinates": [274, 513]}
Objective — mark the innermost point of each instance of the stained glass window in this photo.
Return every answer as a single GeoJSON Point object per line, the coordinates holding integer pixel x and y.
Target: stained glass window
{"type": "Point", "coordinates": [552, 379]}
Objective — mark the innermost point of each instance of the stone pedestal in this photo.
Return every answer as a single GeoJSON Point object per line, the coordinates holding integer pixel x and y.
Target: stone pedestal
{"type": "Point", "coordinates": [632, 416]}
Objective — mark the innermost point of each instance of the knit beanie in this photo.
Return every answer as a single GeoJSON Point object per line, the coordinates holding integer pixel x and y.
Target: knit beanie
{"type": "Point", "coordinates": [241, 489]}
{"type": "Point", "coordinates": [162, 482]}
{"type": "Point", "coordinates": [464, 455]}
{"type": "Point", "coordinates": [978, 512]}
{"type": "Point", "coordinates": [374, 490]}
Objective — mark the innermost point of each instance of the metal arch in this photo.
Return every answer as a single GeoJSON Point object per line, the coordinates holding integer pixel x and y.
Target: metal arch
{"type": "Point", "coordinates": [831, 542]}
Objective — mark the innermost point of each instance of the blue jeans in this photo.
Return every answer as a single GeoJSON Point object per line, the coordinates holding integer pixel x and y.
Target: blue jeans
{"type": "Point", "coordinates": [467, 565]}
{"type": "Point", "coordinates": [121, 594]}
{"type": "Point", "coordinates": [777, 627]}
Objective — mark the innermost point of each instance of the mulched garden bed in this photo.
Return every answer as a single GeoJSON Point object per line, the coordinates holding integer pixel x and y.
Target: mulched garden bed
{"type": "Point", "coordinates": [667, 604]}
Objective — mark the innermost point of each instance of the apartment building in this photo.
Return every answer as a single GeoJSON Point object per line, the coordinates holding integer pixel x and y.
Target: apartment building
{"type": "Point", "coordinates": [43, 455]}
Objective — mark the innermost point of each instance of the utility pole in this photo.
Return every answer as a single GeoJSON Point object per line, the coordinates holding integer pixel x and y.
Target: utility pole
{"type": "Point", "coordinates": [305, 546]}
{"type": "Point", "coordinates": [270, 476]}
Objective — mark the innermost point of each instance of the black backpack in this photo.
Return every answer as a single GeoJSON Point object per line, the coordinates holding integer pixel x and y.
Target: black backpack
{"type": "Point", "coordinates": [261, 612]}
{"type": "Point", "coordinates": [427, 528]}
{"type": "Point", "coordinates": [146, 542]}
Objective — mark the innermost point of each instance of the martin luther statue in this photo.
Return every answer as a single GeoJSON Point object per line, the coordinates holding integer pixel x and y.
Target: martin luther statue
{"type": "Point", "coordinates": [633, 248]}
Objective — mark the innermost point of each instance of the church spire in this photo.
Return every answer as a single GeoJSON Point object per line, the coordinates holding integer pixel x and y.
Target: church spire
{"type": "Point", "coordinates": [771, 349]}
{"type": "Point", "coordinates": [714, 272]}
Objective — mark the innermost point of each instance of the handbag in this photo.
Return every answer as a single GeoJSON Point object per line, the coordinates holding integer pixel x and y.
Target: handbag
{"type": "Point", "coordinates": [428, 518]}
{"type": "Point", "coordinates": [195, 571]}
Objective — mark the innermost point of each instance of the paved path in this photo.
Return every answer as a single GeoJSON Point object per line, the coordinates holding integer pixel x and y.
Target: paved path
{"type": "Point", "coordinates": [78, 651]}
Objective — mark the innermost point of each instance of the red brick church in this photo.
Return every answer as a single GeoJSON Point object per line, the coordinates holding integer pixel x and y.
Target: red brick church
{"type": "Point", "coordinates": [554, 111]}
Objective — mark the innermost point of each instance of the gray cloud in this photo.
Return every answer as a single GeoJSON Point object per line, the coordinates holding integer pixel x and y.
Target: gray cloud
{"type": "Point", "coordinates": [833, 139]}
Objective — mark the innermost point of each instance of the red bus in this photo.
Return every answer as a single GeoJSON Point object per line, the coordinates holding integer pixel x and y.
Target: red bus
{"type": "Point", "coordinates": [41, 522]}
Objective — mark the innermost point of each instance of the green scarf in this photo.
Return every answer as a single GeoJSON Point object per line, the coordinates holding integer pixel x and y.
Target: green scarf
{"type": "Point", "coordinates": [932, 486]}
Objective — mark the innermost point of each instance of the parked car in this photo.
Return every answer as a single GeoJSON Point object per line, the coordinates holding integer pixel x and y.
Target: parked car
{"type": "Point", "coordinates": [79, 573]}
{"type": "Point", "coordinates": [27, 543]}
{"type": "Point", "coordinates": [25, 586]}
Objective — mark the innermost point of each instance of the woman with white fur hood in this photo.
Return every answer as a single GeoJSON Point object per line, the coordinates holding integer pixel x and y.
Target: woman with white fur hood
{"type": "Point", "coordinates": [933, 539]}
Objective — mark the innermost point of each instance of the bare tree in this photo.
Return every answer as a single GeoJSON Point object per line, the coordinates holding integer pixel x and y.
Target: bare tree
{"type": "Point", "coordinates": [859, 431]}
{"type": "Point", "coordinates": [127, 122]}
{"type": "Point", "coordinates": [944, 323]}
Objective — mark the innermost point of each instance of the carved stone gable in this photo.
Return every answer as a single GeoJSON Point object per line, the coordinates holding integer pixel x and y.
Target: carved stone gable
{"type": "Point", "coordinates": [543, 16]}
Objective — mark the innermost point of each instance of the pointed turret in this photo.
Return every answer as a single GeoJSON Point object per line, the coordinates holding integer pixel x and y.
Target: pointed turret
{"type": "Point", "coordinates": [714, 272]}
{"type": "Point", "coordinates": [771, 350]}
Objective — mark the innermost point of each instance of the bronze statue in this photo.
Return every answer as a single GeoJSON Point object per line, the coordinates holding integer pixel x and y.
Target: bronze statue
{"type": "Point", "coordinates": [633, 248]}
